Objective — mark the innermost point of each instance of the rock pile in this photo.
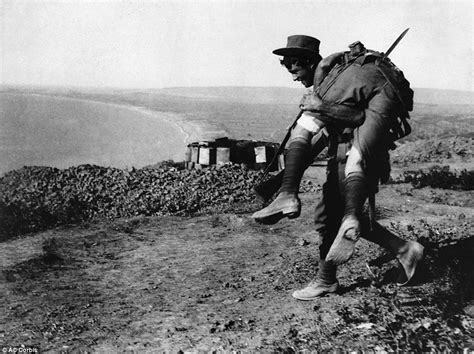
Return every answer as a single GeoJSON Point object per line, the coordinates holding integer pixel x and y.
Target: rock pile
{"type": "Point", "coordinates": [34, 198]}
{"type": "Point", "coordinates": [37, 198]}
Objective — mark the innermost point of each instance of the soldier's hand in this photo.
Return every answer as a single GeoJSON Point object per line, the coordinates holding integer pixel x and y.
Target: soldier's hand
{"type": "Point", "coordinates": [311, 102]}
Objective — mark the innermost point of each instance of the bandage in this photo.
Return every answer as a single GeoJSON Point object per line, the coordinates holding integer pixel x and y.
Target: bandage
{"type": "Point", "coordinates": [310, 123]}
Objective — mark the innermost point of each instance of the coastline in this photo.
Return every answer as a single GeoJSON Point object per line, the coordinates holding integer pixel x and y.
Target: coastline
{"type": "Point", "coordinates": [166, 137]}
{"type": "Point", "coordinates": [190, 130]}
{"type": "Point", "coordinates": [193, 130]}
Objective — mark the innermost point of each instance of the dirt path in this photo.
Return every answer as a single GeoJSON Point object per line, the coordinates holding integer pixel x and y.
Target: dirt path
{"type": "Point", "coordinates": [223, 282]}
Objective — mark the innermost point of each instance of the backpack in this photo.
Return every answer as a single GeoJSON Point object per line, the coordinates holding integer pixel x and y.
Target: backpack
{"type": "Point", "coordinates": [400, 127]}
{"type": "Point", "coordinates": [401, 86]}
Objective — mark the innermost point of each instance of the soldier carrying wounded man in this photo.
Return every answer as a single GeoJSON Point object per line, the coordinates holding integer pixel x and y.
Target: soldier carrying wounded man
{"type": "Point", "coordinates": [357, 108]}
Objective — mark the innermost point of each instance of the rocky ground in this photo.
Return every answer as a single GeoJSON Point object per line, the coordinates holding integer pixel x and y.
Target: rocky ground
{"type": "Point", "coordinates": [196, 273]}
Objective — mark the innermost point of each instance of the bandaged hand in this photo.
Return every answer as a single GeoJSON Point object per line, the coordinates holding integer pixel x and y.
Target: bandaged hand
{"type": "Point", "coordinates": [311, 102]}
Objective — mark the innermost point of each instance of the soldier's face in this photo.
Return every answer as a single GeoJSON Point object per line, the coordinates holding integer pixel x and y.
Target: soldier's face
{"type": "Point", "coordinates": [302, 73]}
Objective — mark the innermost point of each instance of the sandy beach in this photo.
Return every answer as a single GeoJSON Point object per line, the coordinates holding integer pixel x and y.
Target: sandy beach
{"type": "Point", "coordinates": [45, 130]}
{"type": "Point", "coordinates": [190, 130]}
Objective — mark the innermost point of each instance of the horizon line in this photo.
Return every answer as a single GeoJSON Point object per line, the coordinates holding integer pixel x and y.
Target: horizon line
{"type": "Point", "coordinates": [4, 85]}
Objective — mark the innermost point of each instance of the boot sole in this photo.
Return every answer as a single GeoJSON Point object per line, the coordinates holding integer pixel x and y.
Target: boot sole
{"type": "Point", "coordinates": [274, 218]}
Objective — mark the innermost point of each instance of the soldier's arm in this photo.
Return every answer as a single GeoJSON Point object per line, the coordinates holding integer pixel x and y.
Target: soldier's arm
{"type": "Point", "coordinates": [332, 113]}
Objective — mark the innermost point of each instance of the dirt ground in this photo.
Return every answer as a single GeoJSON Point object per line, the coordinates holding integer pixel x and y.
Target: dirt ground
{"type": "Point", "coordinates": [224, 282]}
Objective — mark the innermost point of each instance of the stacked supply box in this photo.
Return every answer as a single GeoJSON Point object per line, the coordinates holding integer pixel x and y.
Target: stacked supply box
{"type": "Point", "coordinates": [254, 154]}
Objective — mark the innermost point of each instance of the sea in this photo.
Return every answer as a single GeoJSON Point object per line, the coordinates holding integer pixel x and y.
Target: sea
{"type": "Point", "coordinates": [42, 130]}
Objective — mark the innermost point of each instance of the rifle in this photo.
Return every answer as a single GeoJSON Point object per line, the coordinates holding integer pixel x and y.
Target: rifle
{"type": "Point", "coordinates": [266, 189]}
{"type": "Point", "coordinates": [281, 148]}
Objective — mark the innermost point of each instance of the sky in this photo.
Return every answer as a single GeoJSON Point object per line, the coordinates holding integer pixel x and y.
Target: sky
{"type": "Point", "coordinates": [155, 44]}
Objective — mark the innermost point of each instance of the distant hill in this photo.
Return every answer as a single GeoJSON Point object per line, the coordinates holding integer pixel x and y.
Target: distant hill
{"type": "Point", "coordinates": [247, 94]}
{"type": "Point", "coordinates": [438, 96]}
{"type": "Point", "coordinates": [291, 95]}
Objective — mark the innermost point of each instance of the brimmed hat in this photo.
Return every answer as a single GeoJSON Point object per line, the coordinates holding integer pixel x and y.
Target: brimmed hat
{"type": "Point", "coordinates": [300, 46]}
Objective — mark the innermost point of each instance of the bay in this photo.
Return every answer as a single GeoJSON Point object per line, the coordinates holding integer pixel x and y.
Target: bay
{"type": "Point", "coordinates": [40, 130]}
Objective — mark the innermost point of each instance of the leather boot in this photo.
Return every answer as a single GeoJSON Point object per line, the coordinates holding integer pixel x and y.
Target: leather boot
{"type": "Point", "coordinates": [265, 190]}
{"type": "Point", "coordinates": [409, 258]}
{"type": "Point", "coordinates": [355, 193]}
{"type": "Point", "coordinates": [324, 283]}
{"type": "Point", "coordinates": [408, 253]}
{"type": "Point", "coordinates": [285, 205]}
